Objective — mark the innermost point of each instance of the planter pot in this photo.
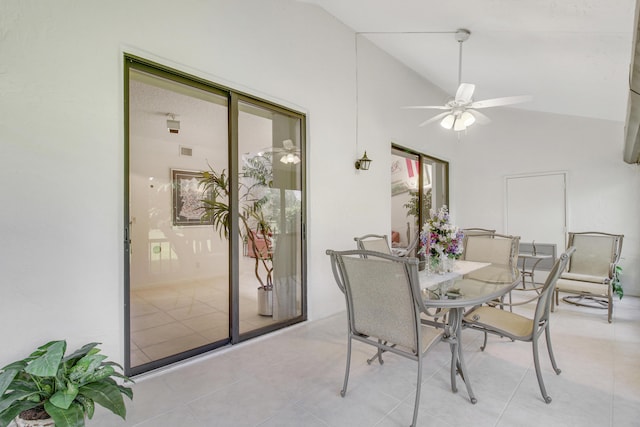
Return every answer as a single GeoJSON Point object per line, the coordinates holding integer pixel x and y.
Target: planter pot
{"type": "Point", "coordinates": [48, 422]}
{"type": "Point", "coordinates": [265, 302]}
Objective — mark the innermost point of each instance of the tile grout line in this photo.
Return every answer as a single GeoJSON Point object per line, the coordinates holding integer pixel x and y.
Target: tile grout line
{"type": "Point", "coordinates": [515, 390]}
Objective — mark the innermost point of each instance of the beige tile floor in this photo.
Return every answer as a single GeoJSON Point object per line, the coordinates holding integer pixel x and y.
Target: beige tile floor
{"type": "Point", "coordinates": [293, 378]}
{"type": "Point", "coordinates": [169, 319]}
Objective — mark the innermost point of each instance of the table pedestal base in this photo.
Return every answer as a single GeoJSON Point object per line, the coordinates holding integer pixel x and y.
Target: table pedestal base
{"type": "Point", "coordinates": [454, 338]}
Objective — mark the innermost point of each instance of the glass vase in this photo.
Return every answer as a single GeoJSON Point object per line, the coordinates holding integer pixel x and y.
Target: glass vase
{"type": "Point", "coordinates": [437, 264]}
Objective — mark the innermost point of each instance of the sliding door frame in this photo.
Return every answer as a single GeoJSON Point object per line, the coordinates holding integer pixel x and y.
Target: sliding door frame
{"type": "Point", "coordinates": [421, 160]}
{"type": "Point", "coordinates": [132, 62]}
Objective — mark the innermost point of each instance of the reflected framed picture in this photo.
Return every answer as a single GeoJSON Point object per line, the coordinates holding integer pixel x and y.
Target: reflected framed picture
{"type": "Point", "coordinates": [186, 197]}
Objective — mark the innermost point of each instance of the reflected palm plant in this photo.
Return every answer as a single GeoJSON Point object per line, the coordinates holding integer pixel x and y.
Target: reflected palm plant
{"type": "Point", "coordinates": [253, 198]}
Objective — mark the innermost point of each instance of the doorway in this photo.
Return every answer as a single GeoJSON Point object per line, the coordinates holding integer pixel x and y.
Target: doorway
{"type": "Point", "coordinates": [195, 280]}
{"type": "Point", "coordinates": [419, 183]}
{"type": "Point", "coordinates": [540, 196]}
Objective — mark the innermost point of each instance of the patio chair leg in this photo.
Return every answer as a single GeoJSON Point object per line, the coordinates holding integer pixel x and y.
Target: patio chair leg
{"type": "Point", "coordinates": [610, 309]}
{"type": "Point", "coordinates": [484, 344]}
{"type": "Point", "coordinates": [547, 335]}
{"type": "Point", "coordinates": [346, 373]}
{"type": "Point", "coordinates": [536, 362]}
{"type": "Point", "coordinates": [378, 355]}
{"type": "Point", "coordinates": [418, 388]}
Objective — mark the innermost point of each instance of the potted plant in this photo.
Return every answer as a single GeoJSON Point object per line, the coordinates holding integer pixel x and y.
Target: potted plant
{"type": "Point", "coordinates": [48, 388]}
{"type": "Point", "coordinates": [615, 281]}
{"type": "Point", "coordinates": [254, 197]}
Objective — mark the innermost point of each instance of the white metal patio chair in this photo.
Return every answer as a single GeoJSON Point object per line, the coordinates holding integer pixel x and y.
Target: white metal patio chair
{"type": "Point", "coordinates": [382, 296]}
{"type": "Point", "coordinates": [591, 270]}
{"type": "Point", "coordinates": [373, 242]}
{"type": "Point", "coordinates": [492, 320]}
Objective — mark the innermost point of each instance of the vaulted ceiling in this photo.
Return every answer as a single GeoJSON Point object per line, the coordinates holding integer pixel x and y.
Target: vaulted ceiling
{"type": "Point", "coordinates": [572, 56]}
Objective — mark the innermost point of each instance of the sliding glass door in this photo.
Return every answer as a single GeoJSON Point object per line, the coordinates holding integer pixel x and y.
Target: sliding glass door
{"type": "Point", "coordinates": [270, 215]}
{"type": "Point", "coordinates": [208, 262]}
{"type": "Point", "coordinates": [419, 183]}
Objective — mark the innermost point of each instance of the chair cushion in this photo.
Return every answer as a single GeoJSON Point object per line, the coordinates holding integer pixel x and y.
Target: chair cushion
{"type": "Point", "coordinates": [585, 278]}
{"type": "Point", "coordinates": [483, 249]}
{"type": "Point", "coordinates": [430, 336]}
{"type": "Point", "coordinates": [511, 323]}
{"type": "Point", "coordinates": [376, 245]}
{"type": "Point", "coordinates": [593, 255]}
{"type": "Point", "coordinates": [576, 286]}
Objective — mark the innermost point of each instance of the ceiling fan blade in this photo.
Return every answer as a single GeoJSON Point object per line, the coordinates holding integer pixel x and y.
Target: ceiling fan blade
{"type": "Point", "coordinates": [480, 117]}
{"type": "Point", "coordinates": [433, 119]}
{"type": "Point", "coordinates": [465, 92]}
{"type": "Point", "coordinates": [496, 102]}
{"type": "Point", "coordinates": [427, 107]}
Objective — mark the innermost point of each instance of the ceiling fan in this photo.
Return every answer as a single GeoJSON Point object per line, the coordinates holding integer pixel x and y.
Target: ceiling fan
{"type": "Point", "coordinates": [462, 111]}
{"type": "Point", "coordinates": [289, 153]}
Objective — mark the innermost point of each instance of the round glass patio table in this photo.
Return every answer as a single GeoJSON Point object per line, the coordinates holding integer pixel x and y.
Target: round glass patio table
{"type": "Point", "coordinates": [470, 284]}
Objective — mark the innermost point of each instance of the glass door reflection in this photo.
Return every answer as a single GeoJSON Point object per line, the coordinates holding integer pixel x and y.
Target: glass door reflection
{"type": "Point", "coordinates": [270, 216]}
{"type": "Point", "coordinates": [178, 266]}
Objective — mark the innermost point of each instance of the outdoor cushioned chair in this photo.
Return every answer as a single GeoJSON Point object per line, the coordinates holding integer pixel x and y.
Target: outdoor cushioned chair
{"type": "Point", "coordinates": [383, 299]}
{"type": "Point", "coordinates": [374, 242]}
{"type": "Point", "coordinates": [475, 232]}
{"type": "Point", "coordinates": [408, 250]}
{"type": "Point", "coordinates": [492, 320]}
{"type": "Point", "coordinates": [493, 248]}
{"type": "Point", "coordinates": [591, 270]}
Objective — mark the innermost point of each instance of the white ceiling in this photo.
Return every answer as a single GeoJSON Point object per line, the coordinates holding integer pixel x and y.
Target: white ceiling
{"type": "Point", "coordinates": [572, 56]}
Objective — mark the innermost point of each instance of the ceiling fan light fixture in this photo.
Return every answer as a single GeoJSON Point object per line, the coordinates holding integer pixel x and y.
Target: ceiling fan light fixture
{"type": "Point", "coordinates": [290, 158]}
{"type": "Point", "coordinates": [461, 112]}
{"type": "Point", "coordinates": [459, 125]}
{"type": "Point", "coordinates": [467, 118]}
{"type": "Point", "coordinates": [448, 121]}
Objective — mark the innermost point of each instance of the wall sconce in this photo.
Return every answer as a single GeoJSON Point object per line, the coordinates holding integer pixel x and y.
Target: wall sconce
{"type": "Point", "coordinates": [363, 163]}
{"type": "Point", "coordinates": [173, 125]}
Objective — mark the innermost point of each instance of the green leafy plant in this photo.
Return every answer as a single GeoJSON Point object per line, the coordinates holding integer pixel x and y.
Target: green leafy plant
{"type": "Point", "coordinates": [615, 281]}
{"type": "Point", "coordinates": [254, 198]}
{"type": "Point", "coordinates": [65, 387]}
{"type": "Point", "coordinates": [413, 206]}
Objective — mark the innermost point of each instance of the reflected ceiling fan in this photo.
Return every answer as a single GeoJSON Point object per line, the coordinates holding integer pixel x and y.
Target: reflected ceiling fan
{"type": "Point", "coordinates": [289, 153]}
{"type": "Point", "coordinates": [462, 111]}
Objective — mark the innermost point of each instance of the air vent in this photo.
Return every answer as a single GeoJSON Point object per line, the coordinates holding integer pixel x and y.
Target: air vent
{"type": "Point", "coordinates": [186, 151]}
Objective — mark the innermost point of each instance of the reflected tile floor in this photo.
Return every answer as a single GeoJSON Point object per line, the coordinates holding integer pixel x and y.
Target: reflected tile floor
{"type": "Point", "coordinates": [293, 378]}
{"type": "Point", "coordinates": [172, 318]}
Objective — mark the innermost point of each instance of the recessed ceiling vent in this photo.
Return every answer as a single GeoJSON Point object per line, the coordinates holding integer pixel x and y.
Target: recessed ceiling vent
{"type": "Point", "coordinates": [186, 151]}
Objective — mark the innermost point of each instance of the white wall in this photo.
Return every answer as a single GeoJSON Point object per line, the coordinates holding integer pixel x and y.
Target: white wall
{"type": "Point", "coordinates": [61, 149]}
{"type": "Point", "coordinates": [603, 192]}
